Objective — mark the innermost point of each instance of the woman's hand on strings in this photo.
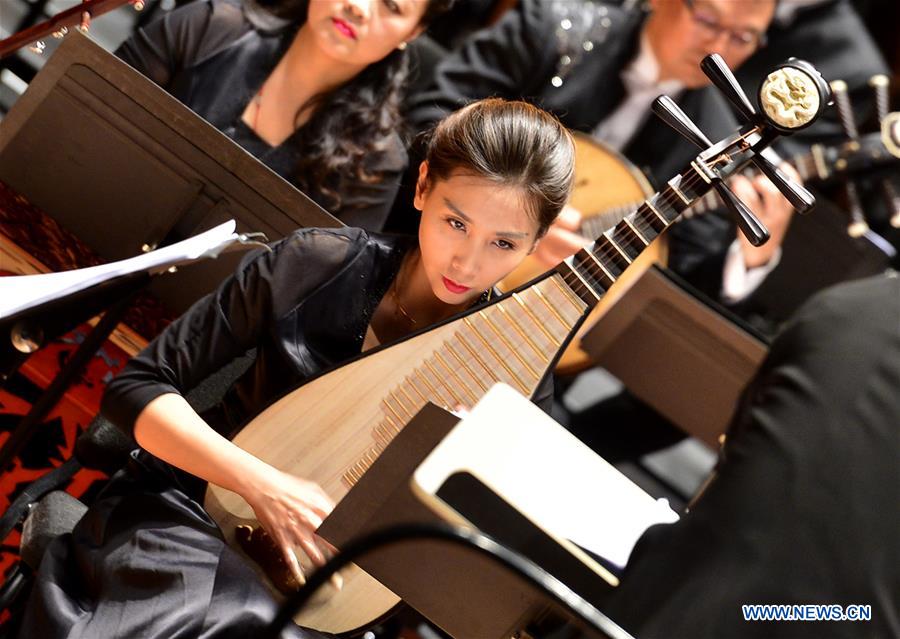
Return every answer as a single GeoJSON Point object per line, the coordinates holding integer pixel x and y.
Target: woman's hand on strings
{"type": "Point", "coordinates": [291, 509]}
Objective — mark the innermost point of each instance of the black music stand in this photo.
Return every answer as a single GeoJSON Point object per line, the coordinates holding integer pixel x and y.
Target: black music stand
{"type": "Point", "coordinates": [684, 355]}
{"type": "Point", "coordinates": [124, 165]}
{"type": "Point", "coordinates": [817, 253]}
{"type": "Point", "coordinates": [481, 472]}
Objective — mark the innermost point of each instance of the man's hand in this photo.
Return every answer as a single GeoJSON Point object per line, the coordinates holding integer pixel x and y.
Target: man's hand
{"type": "Point", "coordinates": [772, 209]}
{"type": "Point", "coordinates": [562, 238]}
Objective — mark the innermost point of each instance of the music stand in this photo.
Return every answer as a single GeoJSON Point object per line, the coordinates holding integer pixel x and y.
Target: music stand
{"type": "Point", "coordinates": [474, 472]}
{"type": "Point", "coordinates": [124, 165]}
{"type": "Point", "coordinates": [817, 253]}
{"type": "Point", "coordinates": [677, 352]}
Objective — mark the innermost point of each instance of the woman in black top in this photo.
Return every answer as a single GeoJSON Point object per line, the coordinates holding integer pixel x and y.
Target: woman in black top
{"type": "Point", "coordinates": [147, 560]}
{"type": "Point", "coordinates": [312, 89]}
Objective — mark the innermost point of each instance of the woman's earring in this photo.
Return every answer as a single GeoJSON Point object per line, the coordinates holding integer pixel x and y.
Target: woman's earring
{"type": "Point", "coordinates": [402, 46]}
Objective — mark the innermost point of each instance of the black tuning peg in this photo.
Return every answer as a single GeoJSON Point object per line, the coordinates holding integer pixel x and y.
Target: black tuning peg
{"type": "Point", "coordinates": [721, 76]}
{"type": "Point", "coordinates": [670, 113]}
{"type": "Point", "coordinates": [754, 230]}
{"type": "Point", "coordinates": [799, 197]}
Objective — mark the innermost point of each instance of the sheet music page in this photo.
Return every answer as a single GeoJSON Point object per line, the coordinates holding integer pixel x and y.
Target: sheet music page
{"type": "Point", "coordinates": [20, 292]}
{"type": "Point", "coordinates": [547, 474]}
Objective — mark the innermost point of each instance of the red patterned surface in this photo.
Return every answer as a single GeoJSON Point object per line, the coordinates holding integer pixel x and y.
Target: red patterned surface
{"type": "Point", "coordinates": [54, 440]}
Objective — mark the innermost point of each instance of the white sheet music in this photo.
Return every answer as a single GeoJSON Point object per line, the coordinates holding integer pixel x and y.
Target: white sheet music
{"type": "Point", "coordinates": [20, 292]}
{"type": "Point", "coordinates": [547, 474]}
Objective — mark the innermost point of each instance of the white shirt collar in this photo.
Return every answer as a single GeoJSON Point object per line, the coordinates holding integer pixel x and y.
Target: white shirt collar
{"type": "Point", "coordinates": [643, 72]}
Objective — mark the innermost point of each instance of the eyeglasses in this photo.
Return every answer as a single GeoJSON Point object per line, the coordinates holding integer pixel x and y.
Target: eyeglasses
{"type": "Point", "coordinates": [708, 23]}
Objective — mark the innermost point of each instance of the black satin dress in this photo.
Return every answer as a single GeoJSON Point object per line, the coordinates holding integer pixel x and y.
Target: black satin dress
{"type": "Point", "coordinates": [210, 56]}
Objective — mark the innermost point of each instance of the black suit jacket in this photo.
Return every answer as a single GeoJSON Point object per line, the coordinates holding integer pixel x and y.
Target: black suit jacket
{"type": "Point", "coordinates": [524, 57]}
{"type": "Point", "coordinates": [804, 507]}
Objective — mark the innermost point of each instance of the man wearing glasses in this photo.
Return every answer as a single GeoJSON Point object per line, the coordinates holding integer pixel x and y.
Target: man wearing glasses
{"type": "Point", "coordinates": [598, 66]}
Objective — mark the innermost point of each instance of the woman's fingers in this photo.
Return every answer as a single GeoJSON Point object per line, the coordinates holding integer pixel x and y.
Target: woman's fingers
{"type": "Point", "coordinates": [306, 542]}
{"type": "Point", "coordinates": [318, 501]}
{"type": "Point", "coordinates": [290, 557]}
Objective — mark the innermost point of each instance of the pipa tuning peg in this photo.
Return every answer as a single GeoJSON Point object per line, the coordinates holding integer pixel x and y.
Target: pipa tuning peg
{"type": "Point", "coordinates": [754, 230]}
{"type": "Point", "coordinates": [799, 197]}
{"type": "Point", "coordinates": [845, 109]}
{"type": "Point", "coordinates": [793, 95]}
{"type": "Point", "coordinates": [858, 225]}
{"type": "Point", "coordinates": [893, 201]}
{"type": "Point", "coordinates": [880, 84]}
{"type": "Point", "coordinates": [670, 113]}
{"type": "Point", "coordinates": [721, 76]}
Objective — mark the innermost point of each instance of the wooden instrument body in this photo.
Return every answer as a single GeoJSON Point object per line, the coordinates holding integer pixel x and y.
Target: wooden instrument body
{"type": "Point", "coordinates": [333, 427]}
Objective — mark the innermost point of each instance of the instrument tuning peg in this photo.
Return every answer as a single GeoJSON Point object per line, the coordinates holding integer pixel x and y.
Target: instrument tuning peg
{"type": "Point", "coordinates": [670, 113]}
{"type": "Point", "coordinates": [893, 201]}
{"type": "Point", "coordinates": [880, 84]}
{"type": "Point", "coordinates": [721, 76]}
{"type": "Point", "coordinates": [801, 199]}
{"type": "Point", "coordinates": [754, 230]}
{"type": "Point", "coordinates": [845, 110]}
{"type": "Point", "coordinates": [858, 225]}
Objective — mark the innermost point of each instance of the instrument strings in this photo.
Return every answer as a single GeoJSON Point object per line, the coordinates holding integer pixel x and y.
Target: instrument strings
{"type": "Point", "coordinates": [630, 243]}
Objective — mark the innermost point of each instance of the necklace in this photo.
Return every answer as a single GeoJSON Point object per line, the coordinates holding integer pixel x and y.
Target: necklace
{"type": "Point", "coordinates": [396, 297]}
{"type": "Point", "coordinates": [403, 311]}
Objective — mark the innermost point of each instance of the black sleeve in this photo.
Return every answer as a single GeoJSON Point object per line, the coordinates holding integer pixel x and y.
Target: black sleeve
{"type": "Point", "coordinates": [809, 471]}
{"type": "Point", "coordinates": [502, 61]}
{"type": "Point", "coordinates": [182, 38]}
{"type": "Point", "coordinates": [227, 323]}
